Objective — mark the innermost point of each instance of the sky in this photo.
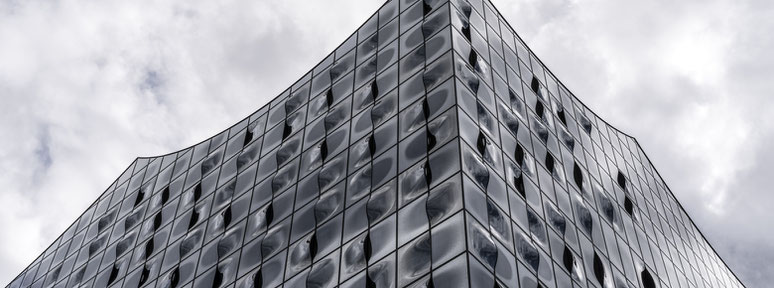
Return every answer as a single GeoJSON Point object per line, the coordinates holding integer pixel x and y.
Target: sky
{"type": "Point", "coordinates": [87, 86]}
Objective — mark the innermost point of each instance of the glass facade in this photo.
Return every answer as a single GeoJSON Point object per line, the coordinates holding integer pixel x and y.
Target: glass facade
{"type": "Point", "coordinates": [430, 149]}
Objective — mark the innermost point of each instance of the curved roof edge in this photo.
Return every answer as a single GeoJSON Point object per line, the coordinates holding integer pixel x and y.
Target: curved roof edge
{"type": "Point", "coordinates": [623, 133]}
{"type": "Point", "coordinates": [267, 105]}
{"type": "Point", "coordinates": [75, 222]}
{"type": "Point", "coordinates": [186, 148]}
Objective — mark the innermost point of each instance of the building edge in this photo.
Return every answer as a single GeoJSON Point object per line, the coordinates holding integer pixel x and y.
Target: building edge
{"type": "Point", "coordinates": [267, 105]}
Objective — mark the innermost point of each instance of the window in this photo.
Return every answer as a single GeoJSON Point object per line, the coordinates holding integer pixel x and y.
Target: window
{"type": "Point", "coordinates": [599, 270]}
{"type": "Point", "coordinates": [568, 259]}
{"type": "Point", "coordinates": [473, 58]}
{"type": "Point", "coordinates": [647, 280]}
{"type": "Point", "coordinates": [144, 275]}
{"type": "Point", "coordinates": [428, 173]}
{"type": "Point", "coordinates": [157, 221]}
{"type": "Point", "coordinates": [269, 214]}
{"type": "Point", "coordinates": [586, 124]}
{"type": "Point", "coordinates": [140, 197]}
{"type": "Point", "coordinates": [174, 277]}
{"type": "Point", "coordinates": [560, 115]}
{"type": "Point", "coordinates": [258, 279]}
{"type": "Point", "coordinates": [165, 195]}
{"type": "Point", "coordinates": [628, 205]}
{"type": "Point", "coordinates": [577, 174]}
{"type": "Point", "coordinates": [518, 181]}
{"type": "Point", "coordinates": [540, 109]}
{"type": "Point", "coordinates": [481, 143]}
{"type": "Point", "coordinates": [323, 149]}
{"type": "Point", "coordinates": [194, 219]}
{"type": "Point", "coordinates": [113, 274]}
{"type": "Point", "coordinates": [149, 248]}
{"type": "Point", "coordinates": [549, 163]}
{"type": "Point", "coordinates": [248, 137]}
{"type": "Point", "coordinates": [466, 30]}
{"type": "Point", "coordinates": [218, 278]}
{"type": "Point", "coordinates": [286, 130]}
{"type": "Point", "coordinates": [329, 98]}
{"type": "Point", "coordinates": [535, 85]}
{"type": "Point", "coordinates": [197, 193]}
{"type": "Point", "coordinates": [519, 154]}
{"type": "Point", "coordinates": [621, 180]}
{"type": "Point", "coordinates": [374, 90]}
{"type": "Point", "coordinates": [226, 214]}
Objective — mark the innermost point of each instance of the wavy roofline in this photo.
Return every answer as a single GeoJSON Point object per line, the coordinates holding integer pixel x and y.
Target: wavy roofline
{"type": "Point", "coordinates": [267, 105]}
{"type": "Point", "coordinates": [186, 148]}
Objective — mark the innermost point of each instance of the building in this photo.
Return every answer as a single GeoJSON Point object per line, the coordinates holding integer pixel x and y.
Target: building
{"type": "Point", "coordinates": [430, 149]}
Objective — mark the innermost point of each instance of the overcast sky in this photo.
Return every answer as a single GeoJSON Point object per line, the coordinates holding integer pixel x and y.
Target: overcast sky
{"type": "Point", "coordinates": [87, 86]}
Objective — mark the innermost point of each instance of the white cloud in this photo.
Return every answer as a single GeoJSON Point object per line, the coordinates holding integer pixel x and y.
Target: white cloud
{"type": "Point", "coordinates": [86, 86]}
{"type": "Point", "coordinates": [689, 80]}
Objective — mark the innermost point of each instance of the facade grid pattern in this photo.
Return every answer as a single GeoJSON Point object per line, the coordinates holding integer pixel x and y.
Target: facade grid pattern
{"type": "Point", "coordinates": [430, 149]}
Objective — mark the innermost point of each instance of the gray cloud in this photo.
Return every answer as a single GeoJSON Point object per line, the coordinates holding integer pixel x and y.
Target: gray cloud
{"type": "Point", "coordinates": [691, 81]}
{"type": "Point", "coordinates": [86, 86]}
